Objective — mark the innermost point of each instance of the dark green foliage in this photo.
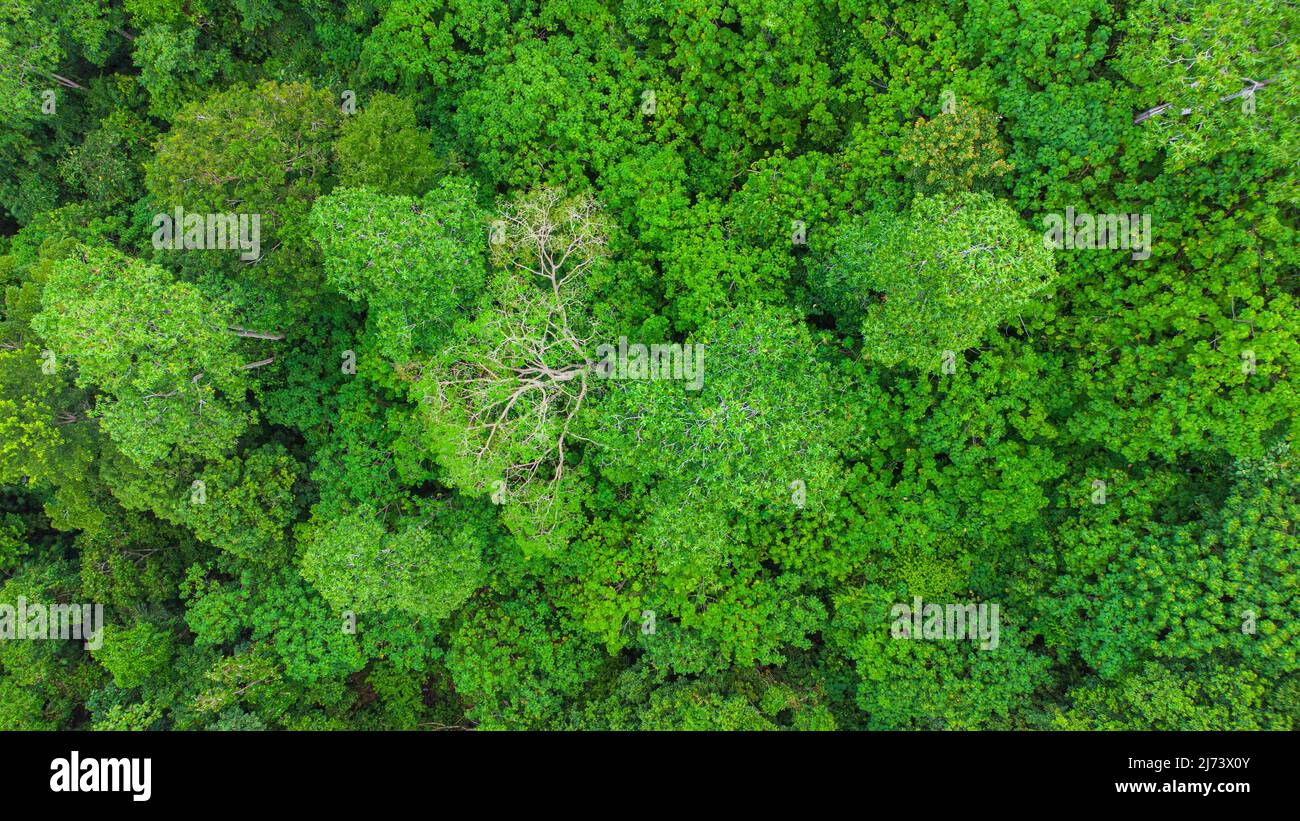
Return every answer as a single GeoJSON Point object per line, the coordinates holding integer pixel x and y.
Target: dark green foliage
{"type": "Point", "coordinates": [383, 148]}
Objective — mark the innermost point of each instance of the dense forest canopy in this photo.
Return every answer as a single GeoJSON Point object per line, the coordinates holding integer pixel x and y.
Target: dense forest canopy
{"type": "Point", "coordinates": [705, 364]}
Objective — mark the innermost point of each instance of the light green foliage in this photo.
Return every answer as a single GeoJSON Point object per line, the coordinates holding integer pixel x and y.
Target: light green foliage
{"type": "Point", "coordinates": [763, 418]}
{"type": "Point", "coordinates": [504, 398]}
{"type": "Point", "coordinates": [289, 626]}
{"type": "Point", "coordinates": [1220, 68]}
{"type": "Point", "coordinates": [416, 44]}
{"type": "Point", "coordinates": [546, 110]}
{"type": "Point", "coordinates": [1160, 698]}
{"type": "Point", "coordinates": [162, 356]}
{"type": "Point", "coordinates": [134, 655]}
{"type": "Point", "coordinates": [936, 279]}
{"type": "Point", "coordinates": [958, 150]}
{"type": "Point", "coordinates": [425, 568]}
{"type": "Point", "coordinates": [415, 263]}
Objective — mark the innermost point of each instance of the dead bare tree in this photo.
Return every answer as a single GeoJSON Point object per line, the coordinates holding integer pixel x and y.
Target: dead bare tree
{"type": "Point", "coordinates": [1251, 88]}
{"type": "Point", "coordinates": [508, 393]}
